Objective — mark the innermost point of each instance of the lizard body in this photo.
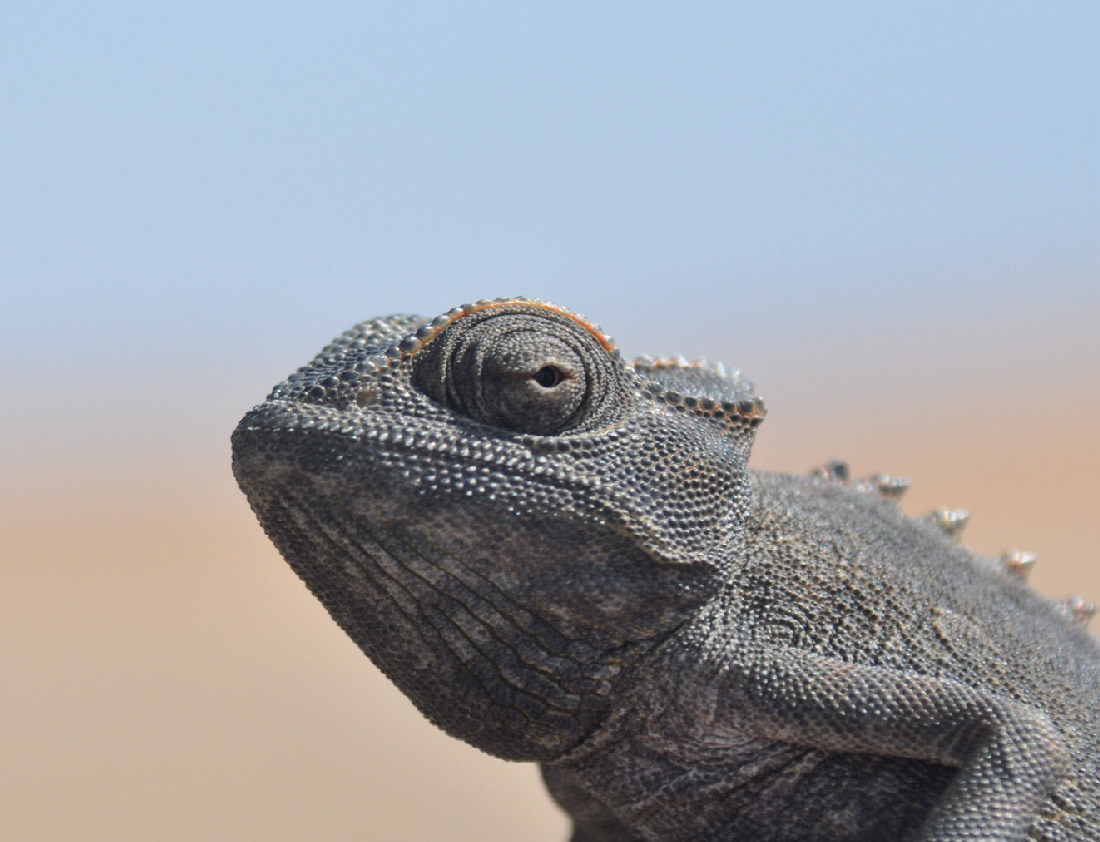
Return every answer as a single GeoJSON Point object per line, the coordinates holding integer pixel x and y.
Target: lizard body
{"type": "Point", "coordinates": [563, 557]}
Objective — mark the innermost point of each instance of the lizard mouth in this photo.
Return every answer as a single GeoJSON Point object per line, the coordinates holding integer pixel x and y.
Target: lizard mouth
{"type": "Point", "coordinates": [433, 614]}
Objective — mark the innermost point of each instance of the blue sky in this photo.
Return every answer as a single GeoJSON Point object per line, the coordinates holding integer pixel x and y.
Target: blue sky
{"type": "Point", "coordinates": [218, 187]}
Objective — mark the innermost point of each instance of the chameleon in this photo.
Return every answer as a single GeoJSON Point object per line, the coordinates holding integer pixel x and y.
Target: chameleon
{"type": "Point", "coordinates": [562, 556]}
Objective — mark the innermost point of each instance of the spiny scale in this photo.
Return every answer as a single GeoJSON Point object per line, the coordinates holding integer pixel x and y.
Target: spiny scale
{"type": "Point", "coordinates": [887, 485]}
{"type": "Point", "coordinates": [1079, 610]}
{"type": "Point", "coordinates": [950, 521]}
{"type": "Point", "coordinates": [835, 470]}
{"type": "Point", "coordinates": [890, 487]}
{"type": "Point", "coordinates": [1018, 563]}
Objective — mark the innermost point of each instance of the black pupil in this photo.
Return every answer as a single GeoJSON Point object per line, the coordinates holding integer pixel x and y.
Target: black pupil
{"type": "Point", "coordinates": [548, 377]}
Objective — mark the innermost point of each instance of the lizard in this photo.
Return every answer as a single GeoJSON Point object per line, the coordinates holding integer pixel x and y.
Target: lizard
{"type": "Point", "coordinates": [562, 556]}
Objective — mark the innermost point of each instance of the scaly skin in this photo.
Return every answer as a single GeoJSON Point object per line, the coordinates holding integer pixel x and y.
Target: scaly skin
{"type": "Point", "coordinates": [562, 557]}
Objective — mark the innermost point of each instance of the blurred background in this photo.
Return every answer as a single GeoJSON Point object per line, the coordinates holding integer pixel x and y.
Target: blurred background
{"type": "Point", "coordinates": [887, 215]}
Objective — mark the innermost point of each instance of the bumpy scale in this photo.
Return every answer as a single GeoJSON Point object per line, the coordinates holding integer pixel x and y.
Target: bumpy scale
{"type": "Point", "coordinates": [560, 556]}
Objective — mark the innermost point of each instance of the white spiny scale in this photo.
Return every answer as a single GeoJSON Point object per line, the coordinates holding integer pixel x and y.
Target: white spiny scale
{"type": "Point", "coordinates": [891, 487]}
{"type": "Point", "coordinates": [1079, 610]}
{"type": "Point", "coordinates": [886, 485]}
{"type": "Point", "coordinates": [1018, 563]}
{"type": "Point", "coordinates": [951, 521]}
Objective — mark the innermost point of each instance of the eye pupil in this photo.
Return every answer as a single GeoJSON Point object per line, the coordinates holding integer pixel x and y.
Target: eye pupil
{"type": "Point", "coordinates": [548, 377]}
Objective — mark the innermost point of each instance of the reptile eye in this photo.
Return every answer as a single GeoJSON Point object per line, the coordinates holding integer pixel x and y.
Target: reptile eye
{"type": "Point", "coordinates": [548, 377]}
{"type": "Point", "coordinates": [524, 380]}
{"type": "Point", "coordinates": [524, 371]}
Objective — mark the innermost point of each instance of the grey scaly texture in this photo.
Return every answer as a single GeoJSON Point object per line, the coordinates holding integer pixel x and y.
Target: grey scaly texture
{"type": "Point", "coordinates": [562, 557]}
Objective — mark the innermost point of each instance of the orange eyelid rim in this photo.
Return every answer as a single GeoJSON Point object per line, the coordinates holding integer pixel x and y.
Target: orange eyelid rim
{"type": "Point", "coordinates": [413, 343]}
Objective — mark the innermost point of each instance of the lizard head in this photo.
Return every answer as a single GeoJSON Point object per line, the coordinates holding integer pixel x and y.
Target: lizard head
{"type": "Point", "coordinates": [500, 511]}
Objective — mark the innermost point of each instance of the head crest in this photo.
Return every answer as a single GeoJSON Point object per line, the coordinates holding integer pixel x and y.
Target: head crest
{"type": "Point", "coordinates": [702, 388]}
